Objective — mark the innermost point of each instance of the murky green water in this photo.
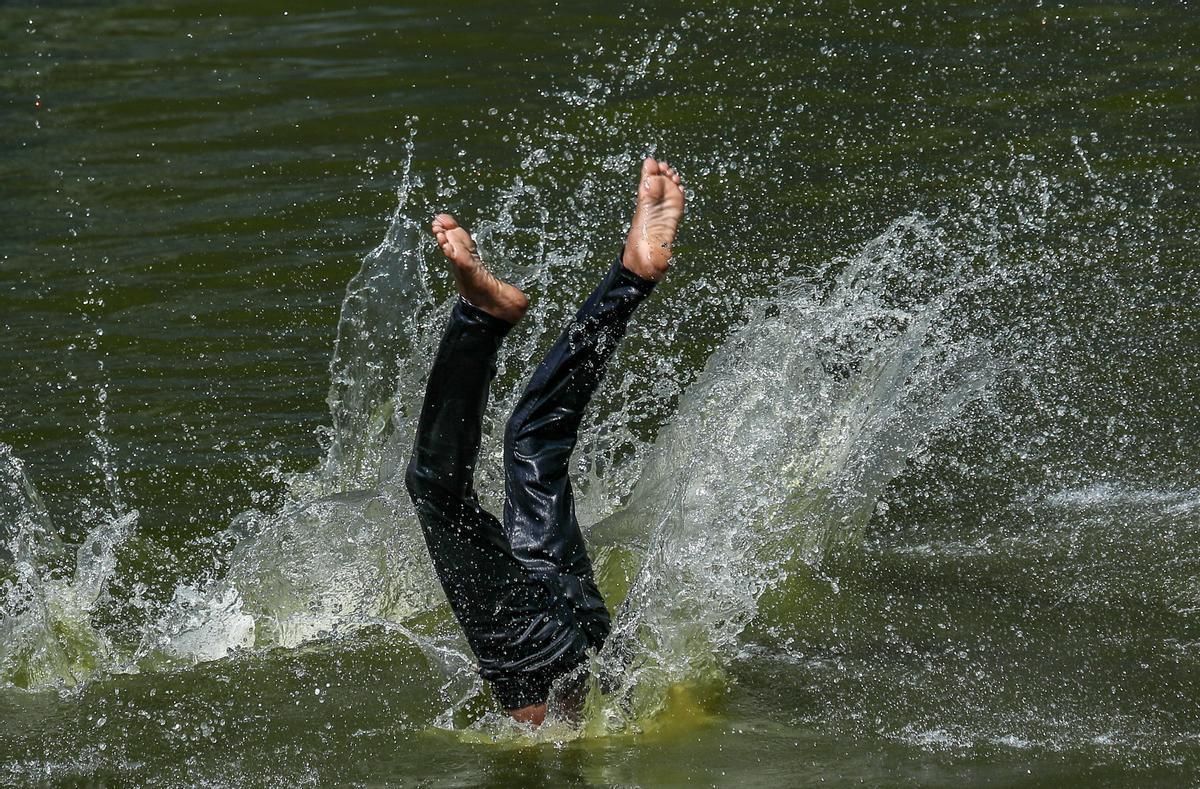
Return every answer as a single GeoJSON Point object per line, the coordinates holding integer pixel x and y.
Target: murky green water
{"type": "Point", "coordinates": [897, 473]}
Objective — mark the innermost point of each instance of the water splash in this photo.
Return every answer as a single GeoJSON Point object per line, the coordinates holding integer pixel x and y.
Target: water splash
{"type": "Point", "coordinates": [46, 633]}
{"type": "Point", "coordinates": [712, 485]}
{"type": "Point", "coordinates": [50, 593]}
{"type": "Point", "coordinates": [385, 312]}
{"type": "Point", "coordinates": [778, 451]}
{"type": "Point", "coordinates": [343, 550]}
{"type": "Point", "coordinates": [782, 447]}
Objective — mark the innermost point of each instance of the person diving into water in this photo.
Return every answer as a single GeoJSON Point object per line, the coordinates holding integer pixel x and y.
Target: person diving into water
{"type": "Point", "coordinates": [522, 587]}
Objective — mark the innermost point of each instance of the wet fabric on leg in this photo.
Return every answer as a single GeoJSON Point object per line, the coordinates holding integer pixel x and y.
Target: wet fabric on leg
{"type": "Point", "coordinates": [539, 510]}
{"type": "Point", "coordinates": [521, 634]}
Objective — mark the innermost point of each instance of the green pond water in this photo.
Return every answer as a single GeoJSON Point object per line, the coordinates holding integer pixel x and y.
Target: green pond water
{"type": "Point", "coordinates": [893, 483]}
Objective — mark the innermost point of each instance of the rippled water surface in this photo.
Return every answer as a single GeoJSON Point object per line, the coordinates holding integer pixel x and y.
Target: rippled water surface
{"type": "Point", "coordinates": [894, 482]}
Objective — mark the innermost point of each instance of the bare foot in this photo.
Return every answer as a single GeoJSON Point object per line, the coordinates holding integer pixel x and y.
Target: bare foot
{"type": "Point", "coordinates": [476, 284]}
{"type": "Point", "coordinates": [659, 209]}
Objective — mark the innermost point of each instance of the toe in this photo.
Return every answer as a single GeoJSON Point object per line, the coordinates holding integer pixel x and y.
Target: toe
{"type": "Point", "coordinates": [447, 221]}
{"type": "Point", "coordinates": [649, 167]}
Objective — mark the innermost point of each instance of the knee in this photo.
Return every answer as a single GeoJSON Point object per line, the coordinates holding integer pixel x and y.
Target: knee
{"type": "Point", "coordinates": [529, 431]}
{"type": "Point", "coordinates": [416, 480]}
{"type": "Point", "coordinates": [512, 434]}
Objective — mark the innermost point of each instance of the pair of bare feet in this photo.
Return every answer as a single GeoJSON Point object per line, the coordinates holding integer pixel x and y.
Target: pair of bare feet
{"type": "Point", "coordinates": [647, 254]}
{"type": "Point", "coordinates": [647, 249]}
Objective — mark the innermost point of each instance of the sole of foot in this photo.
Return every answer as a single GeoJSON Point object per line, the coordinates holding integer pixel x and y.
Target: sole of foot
{"type": "Point", "coordinates": [660, 202]}
{"type": "Point", "coordinates": [475, 283]}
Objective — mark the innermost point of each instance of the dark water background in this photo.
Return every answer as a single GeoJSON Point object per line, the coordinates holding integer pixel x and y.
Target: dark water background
{"type": "Point", "coordinates": [186, 188]}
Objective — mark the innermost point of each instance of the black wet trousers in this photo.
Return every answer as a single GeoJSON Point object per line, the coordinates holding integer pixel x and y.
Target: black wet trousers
{"type": "Point", "coordinates": [523, 590]}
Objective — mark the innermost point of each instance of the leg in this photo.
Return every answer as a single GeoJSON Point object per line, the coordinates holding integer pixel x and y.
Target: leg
{"type": "Point", "coordinates": [470, 552]}
{"type": "Point", "coordinates": [521, 635]}
{"type": "Point", "coordinates": [464, 539]}
{"type": "Point", "coordinates": [539, 512]}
